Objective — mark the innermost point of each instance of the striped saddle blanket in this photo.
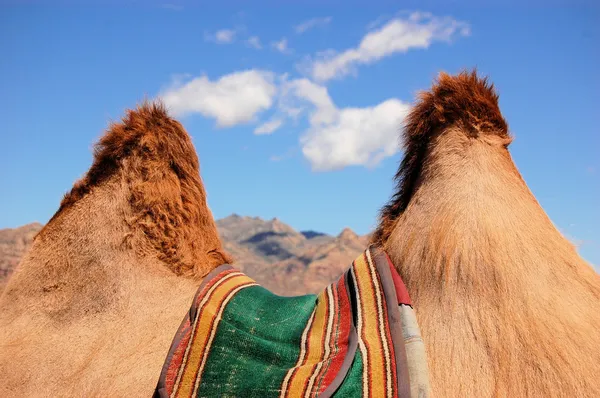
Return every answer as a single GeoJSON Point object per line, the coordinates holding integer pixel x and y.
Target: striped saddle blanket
{"type": "Point", "coordinates": [357, 338]}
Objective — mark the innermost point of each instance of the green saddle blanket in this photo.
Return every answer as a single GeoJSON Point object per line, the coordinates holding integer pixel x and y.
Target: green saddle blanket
{"type": "Point", "coordinates": [240, 340]}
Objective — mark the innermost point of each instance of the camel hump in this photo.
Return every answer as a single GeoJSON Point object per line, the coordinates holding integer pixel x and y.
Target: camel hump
{"type": "Point", "coordinates": [155, 158]}
{"type": "Point", "coordinates": [149, 139]}
{"type": "Point", "coordinates": [465, 100]}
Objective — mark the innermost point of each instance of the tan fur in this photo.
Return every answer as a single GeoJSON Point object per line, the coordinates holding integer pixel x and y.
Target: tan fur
{"type": "Point", "coordinates": [93, 307]}
{"type": "Point", "coordinates": [506, 306]}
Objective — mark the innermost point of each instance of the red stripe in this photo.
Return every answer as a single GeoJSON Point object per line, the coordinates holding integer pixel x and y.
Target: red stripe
{"type": "Point", "coordinates": [333, 347]}
{"type": "Point", "coordinates": [343, 337]}
{"type": "Point", "coordinates": [388, 334]}
{"type": "Point", "coordinates": [325, 324]}
{"type": "Point", "coordinates": [306, 353]}
{"type": "Point", "coordinates": [207, 287]}
{"type": "Point", "coordinates": [186, 331]}
{"type": "Point", "coordinates": [401, 290]}
{"type": "Point", "coordinates": [175, 364]}
{"type": "Point", "coordinates": [365, 341]}
{"type": "Point", "coordinates": [199, 312]}
{"type": "Point", "coordinates": [217, 306]}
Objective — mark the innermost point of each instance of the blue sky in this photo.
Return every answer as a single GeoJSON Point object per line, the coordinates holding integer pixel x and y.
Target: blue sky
{"type": "Point", "coordinates": [233, 73]}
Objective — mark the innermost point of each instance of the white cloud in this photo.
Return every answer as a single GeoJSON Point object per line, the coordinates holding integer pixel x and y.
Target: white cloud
{"type": "Point", "coordinates": [268, 127]}
{"type": "Point", "coordinates": [254, 42]}
{"type": "Point", "coordinates": [223, 36]}
{"type": "Point", "coordinates": [232, 99]}
{"type": "Point", "coordinates": [342, 137]}
{"type": "Point", "coordinates": [311, 23]}
{"type": "Point", "coordinates": [305, 91]}
{"type": "Point", "coordinates": [281, 46]}
{"type": "Point", "coordinates": [357, 136]}
{"type": "Point", "coordinates": [418, 30]}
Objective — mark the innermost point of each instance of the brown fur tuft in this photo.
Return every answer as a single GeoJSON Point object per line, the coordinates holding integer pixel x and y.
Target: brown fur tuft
{"type": "Point", "coordinates": [141, 132]}
{"type": "Point", "coordinates": [464, 101]}
{"type": "Point", "coordinates": [167, 195]}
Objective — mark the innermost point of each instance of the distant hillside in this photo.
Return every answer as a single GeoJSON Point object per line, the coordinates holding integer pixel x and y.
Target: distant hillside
{"type": "Point", "coordinates": [14, 243]}
{"type": "Point", "coordinates": [284, 260]}
{"type": "Point", "coordinates": [312, 234]}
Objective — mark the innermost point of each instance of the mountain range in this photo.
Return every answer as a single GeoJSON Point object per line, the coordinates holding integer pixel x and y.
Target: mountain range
{"type": "Point", "coordinates": [285, 261]}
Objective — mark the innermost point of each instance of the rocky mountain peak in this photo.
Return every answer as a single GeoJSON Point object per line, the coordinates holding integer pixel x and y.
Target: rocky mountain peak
{"type": "Point", "coordinates": [347, 234]}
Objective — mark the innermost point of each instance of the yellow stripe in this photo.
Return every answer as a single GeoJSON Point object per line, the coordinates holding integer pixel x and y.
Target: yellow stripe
{"type": "Point", "coordinates": [326, 347]}
{"type": "Point", "coordinates": [314, 349]}
{"type": "Point", "coordinates": [359, 331]}
{"type": "Point", "coordinates": [205, 297]}
{"type": "Point", "coordinates": [381, 324]}
{"type": "Point", "coordinates": [300, 357]}
{"type": "Point", "coordinates": [213, 332]}
{"type": "Point", "coordinates": [373, 367]}
{"type": "Point", "coordinates": [203, 330]}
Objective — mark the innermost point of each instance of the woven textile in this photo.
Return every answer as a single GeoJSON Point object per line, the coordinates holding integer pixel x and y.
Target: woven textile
{"type": "Point", "coordinates": [240, 340]}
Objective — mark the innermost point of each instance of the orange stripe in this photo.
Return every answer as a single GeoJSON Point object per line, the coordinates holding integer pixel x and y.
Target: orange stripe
{"type": "Point", "coordinates": [326, 343]}
{"type": "Point", "coordinates": [290, 373]}
{"type": "Point", "coordinates": [331, 345]}
{"type": "Point", "coordinates": [204, 326]}
{"type": "Point", "coordinates": [338, 335]}
{"type": "Point", "coordinates": [186, 332]}
{"type": "Point", "coordinates": [384, 331]}
{"type": "Point", "coordinates": [314, 349]}
{"type": "Point", "coordinates": [359, 330]}
{"type": "Point", "coordinates": [213, 332]}
{"type": "Point", "coordinates": [206, 294]}
{"type": "Point", "coordinates": [375, 368]}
